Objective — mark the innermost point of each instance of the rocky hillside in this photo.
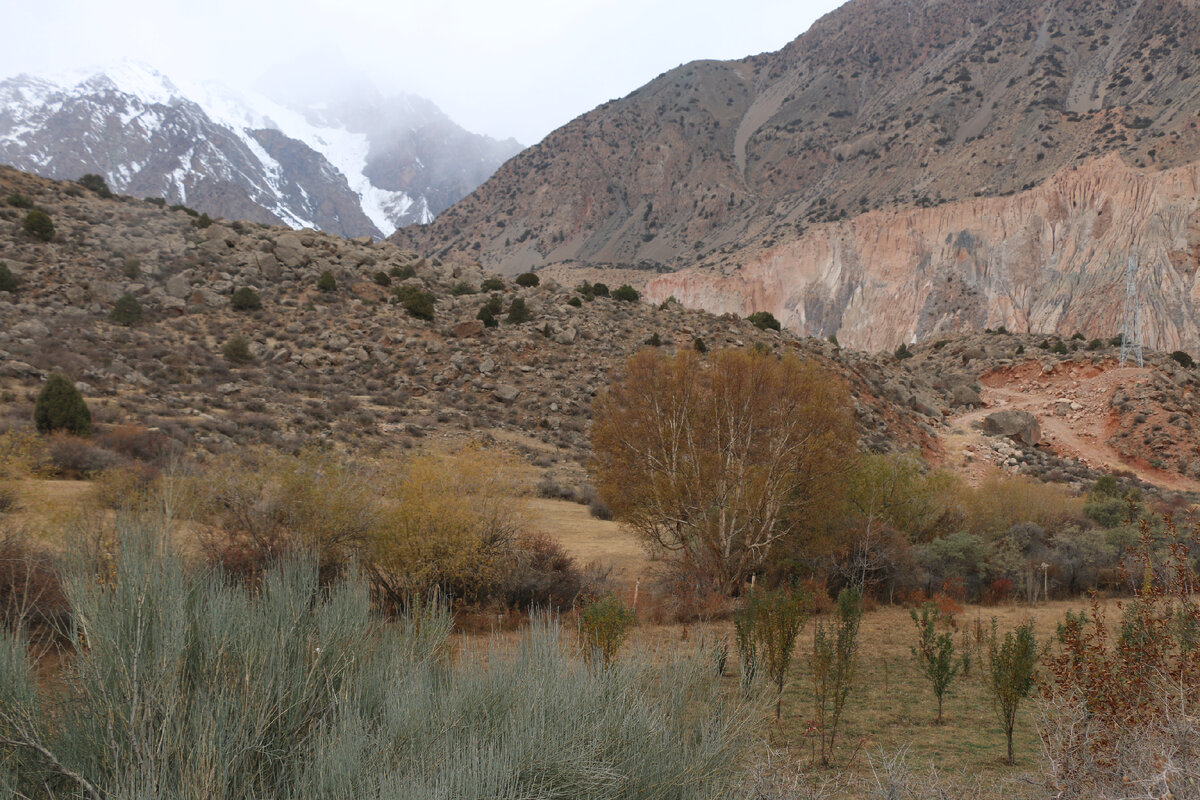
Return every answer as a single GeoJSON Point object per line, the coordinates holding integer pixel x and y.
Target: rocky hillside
{"type": "Point", "coordinates": [902, 170]}
{"type": "Point", "coordinates": [354, 366]}
{"type": "Point", "coordinates": [350, 165]}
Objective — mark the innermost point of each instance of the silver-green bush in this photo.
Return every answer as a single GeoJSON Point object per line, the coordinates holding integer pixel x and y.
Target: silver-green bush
{"type": "Point", "coordinates": [187, 685]}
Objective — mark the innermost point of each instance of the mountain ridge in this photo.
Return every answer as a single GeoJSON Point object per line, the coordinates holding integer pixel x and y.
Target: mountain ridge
{"type": "Point", "coordinates": [242, 155]}
{"type": "Point", "coordinates": [881, 105]}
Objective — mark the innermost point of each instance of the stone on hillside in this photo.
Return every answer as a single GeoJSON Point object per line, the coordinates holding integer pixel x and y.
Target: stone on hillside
{"type": "Point", "coordinates": [566, 335]}
{"type": "Point", "coordinates": [972, 354]}
{"type": "Point", "coordinates": [924, 404]}
{"type": "Point", "coordinates": [1018, 425]}
{"type": "Point", "coordinates": [488, 365]}
{"type": "Point", "coordinates": [964, 395]}
{"type": "Point", "coordinates": [105, 292]}
{"type": "Point", "coordinates": [468, 328]}
{"type": "Point", "coordinates": [178, 286]}
{"type": "Point", "coordinates": [289, 249]}
{"type": "Point", "coordinates": [505, 392]}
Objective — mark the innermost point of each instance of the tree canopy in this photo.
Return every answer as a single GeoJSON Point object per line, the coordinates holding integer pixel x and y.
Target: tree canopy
{"type": "Point", "coordinates": [721, 460]}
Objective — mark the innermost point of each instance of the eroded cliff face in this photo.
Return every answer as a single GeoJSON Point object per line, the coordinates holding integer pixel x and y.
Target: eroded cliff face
{"type": "Point", "coordinates": [1051, 259]}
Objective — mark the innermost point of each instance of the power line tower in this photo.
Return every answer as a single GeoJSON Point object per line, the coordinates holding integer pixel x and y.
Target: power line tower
{"type": "Point", "coordinates": [1131, 329]}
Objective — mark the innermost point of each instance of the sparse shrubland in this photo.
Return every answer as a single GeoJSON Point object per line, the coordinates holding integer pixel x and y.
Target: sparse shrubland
{"type": "Point", "coordinates": [193, 686]}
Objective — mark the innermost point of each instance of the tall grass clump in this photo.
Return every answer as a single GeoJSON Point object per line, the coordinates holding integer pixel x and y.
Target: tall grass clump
{"type": "Point", "coordinates": [187, 684]}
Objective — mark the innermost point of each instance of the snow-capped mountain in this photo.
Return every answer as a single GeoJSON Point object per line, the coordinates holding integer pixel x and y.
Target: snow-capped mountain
{"type": "Point", "coordinates": [355, 167]}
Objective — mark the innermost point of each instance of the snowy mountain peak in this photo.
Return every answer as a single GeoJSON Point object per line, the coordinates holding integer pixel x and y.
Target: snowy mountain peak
{"type": "Point", "coordinates": [351, 167]}
{"type": "Point", "coordinates": [131, 78]}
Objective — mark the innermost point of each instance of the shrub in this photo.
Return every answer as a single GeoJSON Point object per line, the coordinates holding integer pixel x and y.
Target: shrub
{"type": "Point", "coordinates": [132, 268]}
{"type": "Point", "coordinates": [599, 509]}
{"type": "Point", "coordinates": [97, 184]}
{"type": "Point", "coordinates": [625, 293]}
{"type": "Point", "coordinates": [528, 280]}
{"type": "Point", "coordinates": [601, 290]}
{"type": "Point", "coordinates": [22, 455]}
{"type": "Point", "coordinates": [326, 282]}
{"type": "Point", "coordinates": [416, 302]}
{"type": "Point", "coordinates": [764, 320]}
{"type": "Point", "coordinates": [73, 457]}
{"type": "Point", "coordinates": [699, 346]}
{"type": "Point", "coordinates": [1058, 348]}
{"type": "Point", "coordinates": [461, 289]}
{"type": "Point", "coordinates": [902, 352]}
{"type": "Point", "coordinates": [543, 575]}
{"type": "Point", "coordinates": [1182, 359]}
{"type": "Point", "coordinates": [246, 299]}
{"type": "Point", "coordinates": [1011, 667]}
{"type": "Point", "coordinates": [18, 200]}
{"type": "Point", "coordinates": [832, 663]}
{"type": "Point", "coordinates": [492, 284]}
{"type": "Point", "coordinates": [296, 691]}
{"type": "Point", "coordinates": [655, 340]}
{"type": "Point", "coordinates": [382, 278]}
{"type": "Point", "coordinates": [603, 626]}
{"type": "Point", "coordinates": [203, 221]}
{"type": "Point", "coordinates": [39, 225]}
{"type": "Point", "coordinates": [237, 350]}
{"type": "Point", "coordinates": [31, 595]}
{"type": "Point", "coordinates": [403, 273]}
{"type": "Point", "coordinates": [518, 312]}
{"type": "Point", "coordinates": [445, 522]}
{"type": "Point", "coordinates": [60, 407]}
{"type": "Point", "coordinates": [132, 487]}
{"type": "Point", "coordinates": [126, 311]}
{"type": "Point", "coordinates": [136, 443]}
{"type": "Point", "coordinates": [574, 302]}
{"type": "Point", "coordinates": [1112, 725]}
{"type": "Point", "coordinates": [486, 316]}
{"type": "Point", "coordinates": [8, 281]}
{"type": "Point", "coordinates": [772, 620]}
{"type": "Point", "coordinates": [934, 652]}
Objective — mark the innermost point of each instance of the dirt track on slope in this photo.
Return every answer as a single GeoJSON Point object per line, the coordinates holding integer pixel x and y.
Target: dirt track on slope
{"type": "Point", "coordinates": [1073, 406]}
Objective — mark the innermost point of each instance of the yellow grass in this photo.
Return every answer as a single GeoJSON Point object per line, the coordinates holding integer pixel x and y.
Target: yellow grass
{"type": "Point", "coordinates": [589, 539]}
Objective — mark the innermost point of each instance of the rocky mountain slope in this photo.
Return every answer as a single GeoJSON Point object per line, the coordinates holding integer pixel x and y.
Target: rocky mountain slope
{"type": "Point", "coordinates": [353, 367]}
{"type": "Point", "coordinates": [351, 166]}
{"type": "Point", "coordinates": [903, 169]}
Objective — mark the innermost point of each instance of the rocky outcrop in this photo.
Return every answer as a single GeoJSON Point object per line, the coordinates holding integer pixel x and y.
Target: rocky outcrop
{"type": "Point", "coordinates": [1051, 259]}
{"type": "Point", "coordinates": [1020, 426]}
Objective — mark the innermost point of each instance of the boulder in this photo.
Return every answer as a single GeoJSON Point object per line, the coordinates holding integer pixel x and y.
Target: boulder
{"type": "Point", "coordinates": [505, 392]}
{"type": "Point", "coordinates": [1020, 426]}
{"type": "Point", "coordinates": [964, 395]}
{"type": "Point", "coordinates": [178, 286]}
{"type": "Point", "coordinates": [289, 249]}
{"type": "Point", "coordinates": [468, 328]}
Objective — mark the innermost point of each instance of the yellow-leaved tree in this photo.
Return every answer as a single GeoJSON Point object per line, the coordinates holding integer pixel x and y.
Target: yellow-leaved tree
{"type": "Point", "coordinates": [722, 461]}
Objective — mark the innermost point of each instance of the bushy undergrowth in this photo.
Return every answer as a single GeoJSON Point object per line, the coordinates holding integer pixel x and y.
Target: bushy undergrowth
{"type": "Point", "coordinates": [454, 523]}
{"type": "Point", "coordinates": [186, 685]}
{"type": "Point", "coordinates": [1118, 718]}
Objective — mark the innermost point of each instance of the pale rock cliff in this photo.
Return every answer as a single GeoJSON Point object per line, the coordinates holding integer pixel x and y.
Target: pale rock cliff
{"type": "Point", "coordinates": [1051, 259]}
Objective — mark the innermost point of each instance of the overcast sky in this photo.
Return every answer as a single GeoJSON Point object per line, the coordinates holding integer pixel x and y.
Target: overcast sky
{"type": "Point", "coordinates": [519, 69]}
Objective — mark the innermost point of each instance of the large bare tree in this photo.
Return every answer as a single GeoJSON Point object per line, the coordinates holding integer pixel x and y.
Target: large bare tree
{"type": "Point", "coordinates": [719, 460]}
